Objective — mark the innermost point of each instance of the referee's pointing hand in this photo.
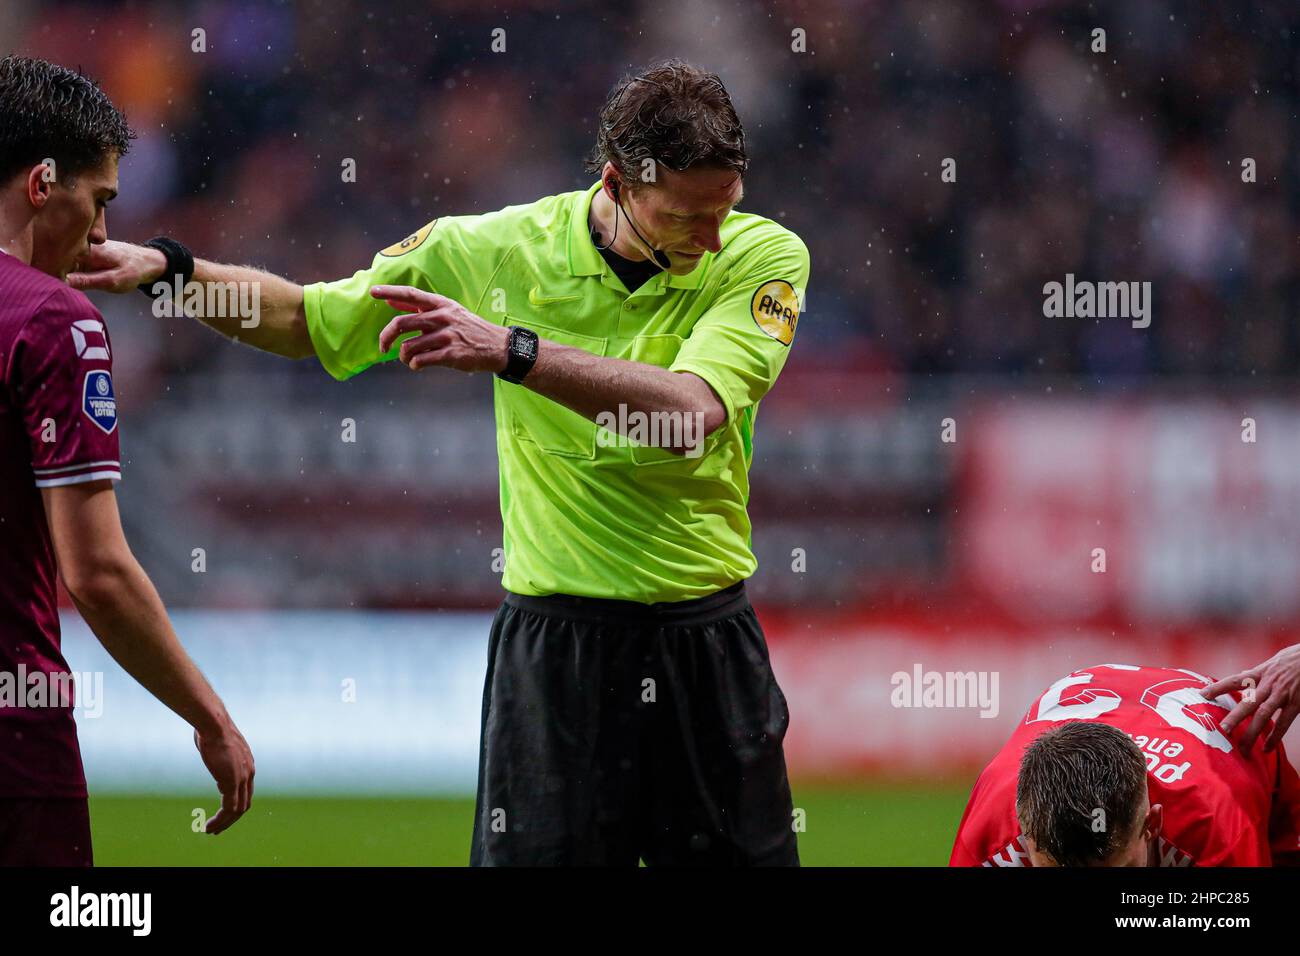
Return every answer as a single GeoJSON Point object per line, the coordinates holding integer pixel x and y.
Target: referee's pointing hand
{"type": "Point", "coordinates": [451, 336]}
{"type": "Point", "coordinates": [1273, 688]}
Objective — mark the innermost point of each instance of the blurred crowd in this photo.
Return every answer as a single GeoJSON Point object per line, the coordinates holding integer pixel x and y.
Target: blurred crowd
{"type": "Point", "coordinates": [1122, 165]}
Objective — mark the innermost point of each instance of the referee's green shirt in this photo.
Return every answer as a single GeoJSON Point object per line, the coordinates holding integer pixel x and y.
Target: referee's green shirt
{"type": "Point", "coordinates": [586, 515]}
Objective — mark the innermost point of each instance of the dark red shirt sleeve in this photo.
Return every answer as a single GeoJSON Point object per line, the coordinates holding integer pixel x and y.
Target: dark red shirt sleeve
{"type": "Point", "coordinates": [63, 368]}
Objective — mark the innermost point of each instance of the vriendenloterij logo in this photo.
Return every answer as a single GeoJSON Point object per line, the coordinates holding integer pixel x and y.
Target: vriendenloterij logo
{"type": "Point", "coordinates": [97, 400]}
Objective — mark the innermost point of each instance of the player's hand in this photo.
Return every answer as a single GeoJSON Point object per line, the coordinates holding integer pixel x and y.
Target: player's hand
{"type": "Point", "coordinates": [452, 336]}
{"type": "Point", "coordinates": [117, 267]}
{"type": "Point", "coordinates": [228, 759]}
{"type": "Point", "coordinates": [1271, 688]}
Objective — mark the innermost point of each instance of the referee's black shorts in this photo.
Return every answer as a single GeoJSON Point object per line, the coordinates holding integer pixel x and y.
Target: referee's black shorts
{"type": "Point", "coordinates": [615, 732]}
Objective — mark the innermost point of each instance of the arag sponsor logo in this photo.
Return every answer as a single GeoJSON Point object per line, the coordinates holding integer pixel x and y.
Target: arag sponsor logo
{"type": "Point", "coordinates": [413, 241]}
{"type": "Point", "coordinates": [775, 307]}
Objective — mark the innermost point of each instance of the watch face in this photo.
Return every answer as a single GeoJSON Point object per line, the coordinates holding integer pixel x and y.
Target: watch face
{"type": "Point", "coordinates": [524, 344]}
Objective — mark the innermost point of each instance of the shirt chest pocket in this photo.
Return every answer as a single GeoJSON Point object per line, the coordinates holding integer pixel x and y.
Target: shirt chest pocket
{"type": "Point", "coordinates": [547, 424]}
{"type": "Point", "coordinates": [658, 350]}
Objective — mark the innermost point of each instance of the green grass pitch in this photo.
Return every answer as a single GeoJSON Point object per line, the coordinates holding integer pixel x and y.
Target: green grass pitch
{"type": "Point", "coordinates": [865, 825]}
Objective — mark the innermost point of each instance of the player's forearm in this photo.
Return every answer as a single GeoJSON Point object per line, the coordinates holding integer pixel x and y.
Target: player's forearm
{"type": "Point", "coordinates": [595, 386]}
{"type": "Point", "coordinates": [123, 609]}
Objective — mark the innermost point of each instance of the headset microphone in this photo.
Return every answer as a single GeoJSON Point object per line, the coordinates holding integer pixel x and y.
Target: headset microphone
{"type": "Point", "coordinates": [657, 257]}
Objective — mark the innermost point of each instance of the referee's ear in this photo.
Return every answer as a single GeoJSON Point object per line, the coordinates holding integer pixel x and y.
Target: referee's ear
{"type": "Point", "coordinates": [611, 180]}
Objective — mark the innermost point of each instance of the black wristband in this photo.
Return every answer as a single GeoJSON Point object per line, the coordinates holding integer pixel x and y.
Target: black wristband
{"type": "Point", "coordinates": [180, 263]}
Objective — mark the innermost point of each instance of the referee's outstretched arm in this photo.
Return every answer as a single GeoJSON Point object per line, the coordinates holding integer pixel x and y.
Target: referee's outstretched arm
{"type": "Point", "coordinates": [588, 384]}
{"type": "Point", "coordinates": [281, 320]}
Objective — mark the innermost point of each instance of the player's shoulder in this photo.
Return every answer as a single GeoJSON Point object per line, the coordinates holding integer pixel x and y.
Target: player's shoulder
{"type": "Point", "coordinates": [38, 304]}
{"type": "Point", "coordinates": [1145, 674]}
{"type": "Point", "coordinates": [1124, 694]}
{"type": "Point", "coordinates": [988, 827]}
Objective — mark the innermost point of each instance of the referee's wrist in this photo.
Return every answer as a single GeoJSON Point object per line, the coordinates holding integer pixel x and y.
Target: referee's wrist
{"type": "Point", "coordinates": [178, 266]}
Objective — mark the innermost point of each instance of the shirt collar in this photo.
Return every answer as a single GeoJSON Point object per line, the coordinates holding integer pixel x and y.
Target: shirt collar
{"type": "Point", "coordinates": [585, 260]}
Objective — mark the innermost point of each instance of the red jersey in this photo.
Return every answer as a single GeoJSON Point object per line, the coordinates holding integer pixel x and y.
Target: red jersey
{"type": "Point", "coordinates": [58, 426]}
{"type": "Point", "coordinates": [1221, 807]}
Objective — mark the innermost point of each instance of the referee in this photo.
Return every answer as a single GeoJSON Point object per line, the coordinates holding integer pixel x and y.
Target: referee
{"type": "Point", "coordinates": [630, 711]}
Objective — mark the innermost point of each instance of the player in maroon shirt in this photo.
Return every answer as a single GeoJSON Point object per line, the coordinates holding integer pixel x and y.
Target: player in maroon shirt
{"type": "Point", "coordinates": [1119, 765]}
{"type": "Point", "coordinates": [60, 141]}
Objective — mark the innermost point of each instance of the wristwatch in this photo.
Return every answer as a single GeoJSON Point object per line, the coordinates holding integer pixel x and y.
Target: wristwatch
{"type": "Point", "coordinates": [521, 355]}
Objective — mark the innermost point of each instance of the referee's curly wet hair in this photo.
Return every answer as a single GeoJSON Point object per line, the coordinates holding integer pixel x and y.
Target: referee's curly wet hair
{"type": "Point", "coordinates": [674, 113]}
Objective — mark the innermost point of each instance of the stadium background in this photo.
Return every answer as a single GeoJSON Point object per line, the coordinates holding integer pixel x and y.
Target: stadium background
{"type": "Point", "coordinates": [328, 562]}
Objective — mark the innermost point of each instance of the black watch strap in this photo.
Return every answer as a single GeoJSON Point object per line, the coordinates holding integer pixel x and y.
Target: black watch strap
{"type": "Point", "coordinates": [521, 355]}
{"type": "Point", "coordinates": [180, 262]}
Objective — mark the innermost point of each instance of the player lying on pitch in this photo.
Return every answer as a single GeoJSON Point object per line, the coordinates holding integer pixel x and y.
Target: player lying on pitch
{"type": "Point", "coordinates": [1118, 765]}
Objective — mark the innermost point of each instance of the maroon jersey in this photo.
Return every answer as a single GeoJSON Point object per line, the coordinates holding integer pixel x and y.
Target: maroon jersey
{"type": "Point", "coordinates": [58, 426]}
{"type": "Point", "coordinates": [1222, 807]}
